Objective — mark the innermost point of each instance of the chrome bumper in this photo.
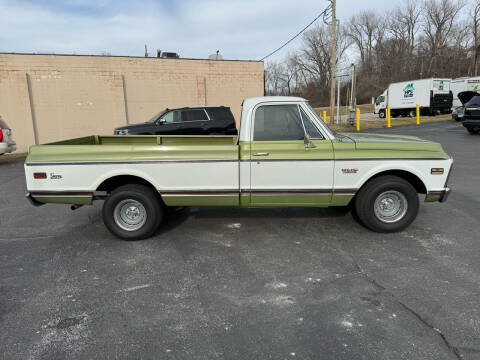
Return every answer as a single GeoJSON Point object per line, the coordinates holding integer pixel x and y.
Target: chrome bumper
{"type": "Point", "coordinates": [440, 196]}
{"type": "Point", "coordinates": [32, 201]}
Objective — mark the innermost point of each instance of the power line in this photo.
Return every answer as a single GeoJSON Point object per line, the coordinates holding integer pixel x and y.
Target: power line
{"type": "Point", "coordinates": [297, 35]}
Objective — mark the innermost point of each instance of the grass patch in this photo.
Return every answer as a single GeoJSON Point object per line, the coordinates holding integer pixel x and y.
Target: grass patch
{"type": "Point", "coordinates": [365, 108]}
{"type": "Point", "coordinates": [378, 124]}
{"type": "Point", "coordinates": [12, 156]}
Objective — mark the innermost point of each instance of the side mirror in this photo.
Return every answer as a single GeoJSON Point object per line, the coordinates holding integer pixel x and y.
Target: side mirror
{"type": "Point", "coordinates": [161, 121]}
{"type": "Point", "coordinates": [308, 142]}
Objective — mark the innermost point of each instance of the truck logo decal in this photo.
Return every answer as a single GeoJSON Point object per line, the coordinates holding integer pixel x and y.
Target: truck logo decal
{"type": "Point", "coordinates": [55, 176]}
{"type": "Point", "coordinates": [408, 91]}
{"type": "Point", "coordinates": [350, 171]}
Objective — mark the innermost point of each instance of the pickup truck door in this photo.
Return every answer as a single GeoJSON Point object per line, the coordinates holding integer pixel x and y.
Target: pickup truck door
{"type": "Point", "coordinates": [283, 169]}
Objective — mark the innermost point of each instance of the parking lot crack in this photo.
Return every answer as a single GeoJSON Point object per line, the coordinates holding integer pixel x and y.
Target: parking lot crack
{"type": "Point", "coordinates": [454, 350]}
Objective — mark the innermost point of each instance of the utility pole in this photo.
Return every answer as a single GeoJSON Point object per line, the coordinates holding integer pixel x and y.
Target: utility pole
{"type": "Point", "coordinates": [354, 90]}
{"type": "Point", "coordinates": [333, 62]}
{"type": "Point", "coordinates": [339, 119]}
{"type": "Point", "coordinates": [351, 112]}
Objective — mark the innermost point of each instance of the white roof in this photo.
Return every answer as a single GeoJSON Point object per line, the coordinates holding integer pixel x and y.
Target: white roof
{"type": "Point", "coordinates": [250, 103]}
{"type": "Point", "coordinates": [259, 99]}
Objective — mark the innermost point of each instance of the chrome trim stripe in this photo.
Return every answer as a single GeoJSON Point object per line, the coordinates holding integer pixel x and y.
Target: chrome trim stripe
{"type": "Point", "coordinates": [386, 158]}
{"type": "Point", "coordinates": [216, 160]}
{"type": "Point", "coordinates": [288, 193]}
{"type": "Point", "coordinates": [61, 196]}
{"type": "Point", "coordinates": [230, 192]}
{"type": "Point", "coordinates": [282, 160]}
{"type": "Point", "coordinates": [61, 193]}
{"type": "Point", "coordinates": [129, 162]}
{"type": "Point", "coordinates": [200, 195]}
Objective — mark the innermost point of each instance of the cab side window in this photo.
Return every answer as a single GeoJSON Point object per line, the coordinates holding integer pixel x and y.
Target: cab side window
{"type": "Point", "coordinates": [277, 122]}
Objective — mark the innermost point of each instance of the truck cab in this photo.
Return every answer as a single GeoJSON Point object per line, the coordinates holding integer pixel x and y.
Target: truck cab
{"type": "Point", "coordinates": [381, 104]}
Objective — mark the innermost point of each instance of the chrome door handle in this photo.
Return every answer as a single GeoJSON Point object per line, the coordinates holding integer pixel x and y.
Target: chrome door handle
{"type": "Point", "coordinates": [260, 153]}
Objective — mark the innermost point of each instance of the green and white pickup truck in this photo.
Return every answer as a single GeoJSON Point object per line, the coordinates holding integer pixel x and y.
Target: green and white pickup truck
{"type": "Point", "coordinates": [284, 156]}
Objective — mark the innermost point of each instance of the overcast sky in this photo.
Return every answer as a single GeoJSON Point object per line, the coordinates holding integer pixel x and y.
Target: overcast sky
{"type": "Point", "coordinates": [240, 29]}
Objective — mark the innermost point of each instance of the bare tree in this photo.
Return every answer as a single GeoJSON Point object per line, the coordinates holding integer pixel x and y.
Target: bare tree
{"type": "Point", "coordinates": [365, 30]}
{"type": "Point", "coordinates": [425, 38]}
{"type": "Point", "coordinates": [475, 17]}
{"type": "Point", "coordinates": [440, 17]}
{"type": "Point", "coordinates": [404, 24]}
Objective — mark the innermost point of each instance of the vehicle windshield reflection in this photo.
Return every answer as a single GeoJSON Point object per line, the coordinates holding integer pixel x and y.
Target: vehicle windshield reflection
{"type": "Point", "coordinates": [158, 116]}
{"type": "Point", "coordinates": [325, 126]}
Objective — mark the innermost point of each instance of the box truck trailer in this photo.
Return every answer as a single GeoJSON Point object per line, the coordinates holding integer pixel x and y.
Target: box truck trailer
{"type": "Point", "coordinates": [434, 96]}
{"type": "Point", "coordinates": [463, 84]}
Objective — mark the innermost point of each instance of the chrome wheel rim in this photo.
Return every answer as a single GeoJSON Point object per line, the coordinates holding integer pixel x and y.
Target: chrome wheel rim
{"type": "Point", "coordinates": [130, 215]}
{"type": "Point", "coordinates": [390, 206]}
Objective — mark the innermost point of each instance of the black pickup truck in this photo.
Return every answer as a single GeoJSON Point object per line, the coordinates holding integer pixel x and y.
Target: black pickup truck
{"type": "Point", "coordinates": [206, 120]}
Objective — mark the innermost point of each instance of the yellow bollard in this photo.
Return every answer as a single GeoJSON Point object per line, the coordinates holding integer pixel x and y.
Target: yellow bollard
{"type": "Point", "coordinates": [389, 122]}
{"type": "Point", "coordinates": [357, 113]}
{"type": "Point", "coordinates": [324, 115]}
{"type": "Point", "coordinates": [418, 114]}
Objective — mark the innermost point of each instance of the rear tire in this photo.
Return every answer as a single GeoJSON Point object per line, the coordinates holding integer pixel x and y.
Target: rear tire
{"type": "Point", "coordinates": [133, 212]}
{"type": "Point", "coordinates": [412, 113]}
{"type": "Point", "coordinates": [472, 130]}
{"type": "Point", "coordinates": [387, 204]}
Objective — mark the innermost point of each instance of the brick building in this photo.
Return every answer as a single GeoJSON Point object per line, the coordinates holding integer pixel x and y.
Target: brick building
{"type": "Point", "coordinates": [46, 98]}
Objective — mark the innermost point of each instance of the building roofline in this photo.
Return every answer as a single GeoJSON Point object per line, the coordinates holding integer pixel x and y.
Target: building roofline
{"type": "Point", "coordinates": [125, 56]}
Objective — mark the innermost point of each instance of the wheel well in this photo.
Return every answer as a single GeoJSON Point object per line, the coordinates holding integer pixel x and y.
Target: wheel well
{"type": "Point", "coordinates": [112, 183]}
{"type": "Point", "coordinates": [405, 175]}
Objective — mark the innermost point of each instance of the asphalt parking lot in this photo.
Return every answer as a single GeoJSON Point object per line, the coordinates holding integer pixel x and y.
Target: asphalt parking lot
{"type": "Point", "coordinates": [245, 284]}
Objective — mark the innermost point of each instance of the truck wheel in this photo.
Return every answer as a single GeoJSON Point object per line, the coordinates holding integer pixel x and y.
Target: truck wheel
{"type": "Point", "coordinates": [387, 204]}
{"type": "Point", "coordinates": [472, 130]}
{"type": "Point", "coordinates": [412, 113]}
{"type": "Point", "coordinates": [132, 212]}
{"type": "Point", "coordinates": [381, 114]}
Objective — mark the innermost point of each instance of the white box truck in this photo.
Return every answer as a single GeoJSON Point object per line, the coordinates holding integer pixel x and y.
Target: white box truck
{"type": "Point", "coordinates": [433, 95]}
{"type": "Point", "coordinates": [464, 84]}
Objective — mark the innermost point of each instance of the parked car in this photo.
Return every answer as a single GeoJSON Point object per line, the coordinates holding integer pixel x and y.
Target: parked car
{"type": "Point", "coordinates": [471, 113]}
{"type": "Point", "coordinates": [210, 120]}
{"type": "Point", "coordinates": [457, 113]}
{"type": "Point", "coordinates": [7, 145]}
{"type": "Point", "coordinates": [284, 156]}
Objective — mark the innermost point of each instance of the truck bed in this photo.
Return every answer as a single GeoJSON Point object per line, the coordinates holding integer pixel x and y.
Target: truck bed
{"type": "Point", "coordinates": [136, 147]}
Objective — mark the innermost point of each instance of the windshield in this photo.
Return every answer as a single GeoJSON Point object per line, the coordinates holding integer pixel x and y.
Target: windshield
{"type": "Point", "coordinates": [327, 129]}
{"type": "Point", "coordinates": [473, 102]}
{"type": "Point", "coordinates": [158, 116]}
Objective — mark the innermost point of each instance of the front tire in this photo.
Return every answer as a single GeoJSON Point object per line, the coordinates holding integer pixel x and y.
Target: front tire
{"type": "Point", "coordinates": [387, 204]}
{"type": "Point", "coordinates": [381, 114]}
{"type": "Point", "coordinates": [133, 212]}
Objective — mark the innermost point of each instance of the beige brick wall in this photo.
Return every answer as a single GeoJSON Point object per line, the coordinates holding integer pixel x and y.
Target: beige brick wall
{"type": "Point", "coordinates": [74, 96]}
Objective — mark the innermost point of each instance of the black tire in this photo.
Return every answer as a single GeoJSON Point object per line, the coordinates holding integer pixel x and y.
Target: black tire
{"type": "Point", "coordinates": [381, 114]}
{"type": "Point", "coordinates": [412, 113]}
{"type": "Point", "coordinates": [368, 194]}
{"type": "Point", "coordinates": [472, 130]}
{"type": "Point", "coordinates": [133, 194]}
